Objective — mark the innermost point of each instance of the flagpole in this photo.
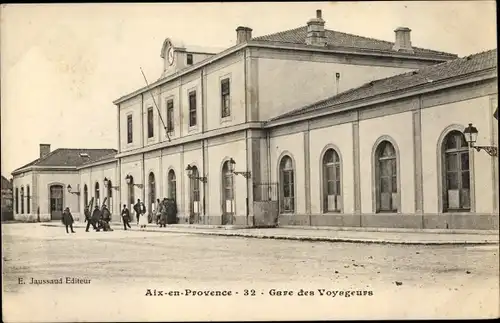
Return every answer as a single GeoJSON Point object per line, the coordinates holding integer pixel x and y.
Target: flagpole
{"type": "Point", "coordinates": [154, 101]}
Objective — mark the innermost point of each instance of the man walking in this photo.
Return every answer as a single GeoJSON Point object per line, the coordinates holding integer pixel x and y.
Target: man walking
{"type": "Point", "coordinates": [126, 217]}
{"type": "Point", "coordinates": [88, 218]}
{"type": "Point", "coordinates": [137, 209]}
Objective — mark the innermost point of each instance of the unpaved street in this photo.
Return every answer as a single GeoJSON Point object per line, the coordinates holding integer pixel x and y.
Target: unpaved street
{"type": "Point", "coordinates": [452, 281]}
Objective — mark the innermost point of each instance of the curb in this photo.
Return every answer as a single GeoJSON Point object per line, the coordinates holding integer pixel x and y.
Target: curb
{"type": "Point", "coordinates": [313, 239]}
{"type": "Point", "coordinates": [327, 239]}
{"type": "Point", "coordinates": [394, 230]}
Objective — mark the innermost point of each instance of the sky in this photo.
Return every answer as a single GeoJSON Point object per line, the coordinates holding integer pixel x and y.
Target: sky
{"type": "Point", "coordinates": [63, 65]}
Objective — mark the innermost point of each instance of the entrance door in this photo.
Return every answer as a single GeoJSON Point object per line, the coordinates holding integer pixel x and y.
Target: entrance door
{"type": "Point", "coordinates": [56, 202]}
{"type": "Point", "coordinates": [227, 195]}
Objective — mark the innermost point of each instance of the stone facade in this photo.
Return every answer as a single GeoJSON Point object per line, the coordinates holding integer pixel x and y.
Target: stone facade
{"type": "Point", "coordinates": [266, 81]}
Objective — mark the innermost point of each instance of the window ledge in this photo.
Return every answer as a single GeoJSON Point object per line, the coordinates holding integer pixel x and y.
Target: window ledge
{"type": "Point", "coordinates": [226, 119]}
{"type": "Point", "coordinates": [192, 129]}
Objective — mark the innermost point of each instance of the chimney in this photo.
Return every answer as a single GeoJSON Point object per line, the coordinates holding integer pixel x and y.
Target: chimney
{"type": "Point", "coordinates": [243, 34]}
{"type": "Point", "coordinates": [403, 40]}
{"type": "Point", "coordinates": [316, 31]}
{"type": "Point", "coordinates": [44, 150]}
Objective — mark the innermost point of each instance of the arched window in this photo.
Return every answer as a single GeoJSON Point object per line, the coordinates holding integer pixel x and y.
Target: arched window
{"type": "Point", "coordinates": [17, 200]}
{"type": "Point", "coordinates": [109, 190]}
{"type": "Point", "coordinates": [28, 200]}
{"type": "Point", "coordinates": [97, 196]}
{"type": "Point", "coordinates": [287, 180]}
{"type": "Point", "coordinates": [332, 200]}
{"type": "Point", "coordinates": [195, 192]}
{"type": "Point", "coordinates": [227, 192]}
{"type": "Point", "coordinates": [85, 195]}
{"type": "Point", "coordinates": [172, 191]}
{"type": "Point", "coordinates": [22, 200]}
{"type": "Point", "coordinates": [152, 192]}
{"type": "Point", "coordinates": [131, 197]}
{"type": "Point", "coordinates": [456, 175]}
{"type": "Point", "coordinates": [386, 177]}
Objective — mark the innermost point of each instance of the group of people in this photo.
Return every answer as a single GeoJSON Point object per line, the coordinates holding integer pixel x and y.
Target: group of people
{"type": "Point", "coordinates": [165, 212]}
{"type": "Point", "coordinates": [99, 219]}
{"type": "Point", "coordinates": [161, 212]}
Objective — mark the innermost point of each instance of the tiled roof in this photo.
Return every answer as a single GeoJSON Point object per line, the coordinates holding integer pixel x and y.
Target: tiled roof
{"type": "Point", "coordinates": [70, 157]}
{"type": "Point", "coordinates": [458, 67]}
{"type": "Point", "coordinates": [336, 39]}
{"type": "Point", "coordinates": [109, 157]}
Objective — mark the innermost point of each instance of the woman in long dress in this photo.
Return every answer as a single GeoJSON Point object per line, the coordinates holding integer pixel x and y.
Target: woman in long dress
{"type": "Point", "coordinates": [143, 218]}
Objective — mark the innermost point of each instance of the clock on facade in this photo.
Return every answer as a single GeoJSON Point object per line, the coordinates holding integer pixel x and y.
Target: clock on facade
{"type": "Point", "coordinates": [170, 55]}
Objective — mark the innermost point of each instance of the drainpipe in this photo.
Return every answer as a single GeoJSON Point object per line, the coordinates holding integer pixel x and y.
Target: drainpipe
{"type": "Point", "coordinates": [245, 83]}
{"type": "Point", "coordinates": [119, 149]}
{"type": "Point", "coordinates": [142, 146]}
{"type": "Point", "coordinates": [203, 98]}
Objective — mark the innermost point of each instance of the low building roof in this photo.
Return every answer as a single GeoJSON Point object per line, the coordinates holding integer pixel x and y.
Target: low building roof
{"type": "Point", "coordinates": [429, 74]}
{"type": "Point", "coordinates": [68, 157]}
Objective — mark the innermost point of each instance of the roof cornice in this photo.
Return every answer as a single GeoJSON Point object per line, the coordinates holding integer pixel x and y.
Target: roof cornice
{"type": "Point", "coordinates": [97, 163]}
{"type": "Point", "coordinates": [389, 96]}
{"type": "Point", "coordinates": [265, 44]}
{"type": "Point", "coordinates": [34, 168]}
{"type": "Point", "coordinates": [191, 138]}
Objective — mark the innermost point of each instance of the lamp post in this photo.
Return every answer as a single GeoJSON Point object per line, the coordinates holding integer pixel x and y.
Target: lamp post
{"type": "Point", "coordinates": [70, 190]}
{"type": "Point", "coordinates": [231, 169]}
{"type": "Point", "coordinates": [128, 180]}
{"type": "Point", "coordinates": [189, 170]}
{"type": "Point", "coordinates": [106, 184]}
{"type": "Point", "coordinates": [470, 134]}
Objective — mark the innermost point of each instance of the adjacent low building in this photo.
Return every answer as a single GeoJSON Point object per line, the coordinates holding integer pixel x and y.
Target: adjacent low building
{"type": "Point", "coordinates": [7, 200]}
{"type": "Point", "coordinates": [308, 126]}
{"type": "Point", "coordinates": [44, 187]}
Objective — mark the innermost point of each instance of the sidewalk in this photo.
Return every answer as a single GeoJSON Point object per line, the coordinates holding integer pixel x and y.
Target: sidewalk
{"type": "Point", "coordinates": [387, 236]}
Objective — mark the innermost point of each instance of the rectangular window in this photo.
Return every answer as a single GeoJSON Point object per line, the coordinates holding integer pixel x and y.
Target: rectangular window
{"type": "Point", "coordinates": [170, 115]}
{"type": "Point", "coordinates": [150, 123]}
{"type": "Point", "coordinates": [225, 98]}
{"type": "Point", "coordinates": [192, 108]}
{"type": "Point", "coordinates": [190, 59]}
{"type": "Point", "coordinates": [129, 129]}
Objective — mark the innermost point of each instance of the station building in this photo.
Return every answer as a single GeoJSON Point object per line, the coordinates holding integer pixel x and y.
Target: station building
{"type": "Point", "coordinates": [307, 126]}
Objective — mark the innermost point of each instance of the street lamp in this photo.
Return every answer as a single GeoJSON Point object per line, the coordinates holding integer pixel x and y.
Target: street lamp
{"type": "Point", "coordinates": [129, 181]}
{"type": "Point", "coordinates": [231, 169]}
{"type": "Point", "coordinates": [106, 184]}
{"type": "Point", "coordinates": [470, 134]}
{"type": "Point", "coordinates": [189, 170]}
{"type": "Point", "coordinates": [70, 190]}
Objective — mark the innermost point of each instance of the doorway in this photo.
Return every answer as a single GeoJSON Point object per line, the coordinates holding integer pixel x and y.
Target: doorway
{"type": "Point", "coordinates": [56, 202]}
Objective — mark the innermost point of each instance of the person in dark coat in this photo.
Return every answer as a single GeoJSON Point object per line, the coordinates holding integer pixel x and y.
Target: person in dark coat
{"type": "Point", "coordinates": [163, 213]}
{"type": "Point", "coordinates": [106, 214]}
{"type": "Point", "coordinates": [137, 209]}
{"type": "Point", "coordinates": [126, 217]}
{"type": "Point", "coordinates": [96, 216]}
{"type": "Point", "coordinates": [67, 220]}
{"type": "Point", "coordinates": [89, 220]}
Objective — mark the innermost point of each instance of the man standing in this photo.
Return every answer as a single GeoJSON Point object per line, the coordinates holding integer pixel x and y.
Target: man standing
{"type": "Point", "coordinates": [106, 214]}
{"type": "Point", "coordinates": [126, 217]}
{"type": "Point", "coordinates": [67, 220]}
